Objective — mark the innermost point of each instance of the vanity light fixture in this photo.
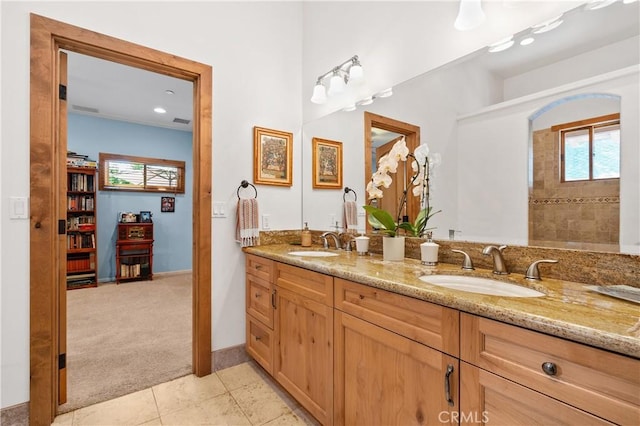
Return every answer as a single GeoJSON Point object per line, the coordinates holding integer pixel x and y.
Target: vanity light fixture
{"type": "Point", "coordinates": [366, 101]}
{"type": "Point", "coordinates": [629, 1]}
{"type": "Point", "coordinates": [501, 45]}
{"type": "Point", "coordinates": [384, 94]}
{"type": "Point", "coordinates": [470, 15]}
{"type": "Point", "coordinates": [341, 75]}
{"type": "Point", "coordinates": [349, 108]}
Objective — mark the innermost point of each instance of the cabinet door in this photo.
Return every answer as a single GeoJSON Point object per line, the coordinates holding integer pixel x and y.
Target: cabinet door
{"type": "Point", "coordinates": [303, 361]}
{"type": "Point", "coordinates": [382, 378]}
{"type": "Point", "coordinates": [486, 398]}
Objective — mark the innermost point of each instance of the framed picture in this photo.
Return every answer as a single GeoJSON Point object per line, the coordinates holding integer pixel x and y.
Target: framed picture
{"type": "Point", "coordinates": [145, 217]}
{"type": "Point", "coordinates": [327, 164]}
{"type": "Point", "coordinates": [168, 204]}
{"type": "Point", "coordinates": [272, 157]}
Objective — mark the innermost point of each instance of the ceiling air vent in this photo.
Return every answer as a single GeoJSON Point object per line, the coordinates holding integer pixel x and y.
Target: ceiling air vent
{"type": "Point", "coordinates": [181, 120]}
{"type": "Point", "coordinates": [85, 109]}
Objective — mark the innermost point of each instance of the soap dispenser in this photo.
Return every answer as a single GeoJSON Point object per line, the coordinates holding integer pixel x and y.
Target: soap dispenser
{"type": "Point", "coordinates": [429, 251]}
{"type": "Point", "coordinates": [306, 236]}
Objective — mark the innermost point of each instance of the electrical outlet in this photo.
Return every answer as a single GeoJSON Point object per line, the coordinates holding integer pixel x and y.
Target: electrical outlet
{"type": "Point", "coordinates": [265, 221]}
{"type": "Point", "coordinates": [332, 221]}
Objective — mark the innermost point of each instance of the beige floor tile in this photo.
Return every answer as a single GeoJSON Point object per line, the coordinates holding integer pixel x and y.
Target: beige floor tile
{"type": "Point", "coordinates": [154, 422]}
{"type": "Point", "coordinates": [307, 418]}
{"type": "Point", "coordinates": [178, 394]}
{"type": "Point", "coordinates": [239, 375]}
{"type": "Point", "coordinates": [221, 410]}
{"type": "Point", "coordinates": [64, 419]}
{"type": "Point", "coordinates": [132, 409]}
{"type": "Point", "coordinates": [259, 402]}
{"type": "Point", "coordinates": [289, 419]}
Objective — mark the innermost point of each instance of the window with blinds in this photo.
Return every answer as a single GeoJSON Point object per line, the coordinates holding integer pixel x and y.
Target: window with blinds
{"type": "Point", "coordinates": [128, 173]}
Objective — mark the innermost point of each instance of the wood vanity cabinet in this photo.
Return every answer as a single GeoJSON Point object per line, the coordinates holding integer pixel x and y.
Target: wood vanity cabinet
{"type": "Point", "coordinates": [260, 300]}
{"type": "Point", "coordinates": [303, 331]}
{"type": "Point", "coordinates": [511, 376]}
{"type": "Point", "coordinates": [385, 374]}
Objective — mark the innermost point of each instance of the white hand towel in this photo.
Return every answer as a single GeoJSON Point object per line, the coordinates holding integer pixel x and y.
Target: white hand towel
{"type": "Point", "coordinates": [247, 226]}
{"type": "Point", "coordinates": [350, 217]}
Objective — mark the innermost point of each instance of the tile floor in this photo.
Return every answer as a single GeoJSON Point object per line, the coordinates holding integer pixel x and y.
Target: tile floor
{"type": "Point", "coordinates": [240, 395]}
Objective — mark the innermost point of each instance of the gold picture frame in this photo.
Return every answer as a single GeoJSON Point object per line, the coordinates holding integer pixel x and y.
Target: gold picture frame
{"type": "Point", "coordinates": [327, 164]}
{"type": "Point", "coordinates": [272, 157]}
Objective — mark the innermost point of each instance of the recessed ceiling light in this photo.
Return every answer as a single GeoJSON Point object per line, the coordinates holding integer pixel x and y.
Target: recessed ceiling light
{"type": "Point", "coordinates": [598, 4]}
{"type": "Point", "coordinates": [169, 92]}
{"type": "Point", "coordinates": [159, 110]}
{"type": "Point", "coordinates": [366, 101]}
{"type": "Point", "coordinates": [527, 41]}
{"type": "Point", "coordinates": [385, 93]}
{"type": "Point", "coordinates": [501, 45]}
{"type": "Point", "coordinates": [629, 1]}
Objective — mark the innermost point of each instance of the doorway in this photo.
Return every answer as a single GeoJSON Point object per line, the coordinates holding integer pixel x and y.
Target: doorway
{"type": "Point", "coordinates": [48, 163]}
{"type": "Point", "coordinates": [390, 131]}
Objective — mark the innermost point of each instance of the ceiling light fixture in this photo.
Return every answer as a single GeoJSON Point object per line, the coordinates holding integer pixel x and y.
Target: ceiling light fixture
{"type": "Point", "coordinates": [501, 45]}
{"type": "Point", "coordinates": [470, 15]}
{"type": "Point", "coordinates": [527, 41]}
{"type": "Point", "coordinates": [384, 94]}
{"type": "Point", "coordinates": [159, 110]}
{"type": "Point", "coordinates": [348, 71]}
{"type": "Point", "coordinates": [169, 92]}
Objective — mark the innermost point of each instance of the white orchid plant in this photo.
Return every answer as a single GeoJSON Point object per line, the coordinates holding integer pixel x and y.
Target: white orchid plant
{"type": "Point", "coordinates": [388, 164]}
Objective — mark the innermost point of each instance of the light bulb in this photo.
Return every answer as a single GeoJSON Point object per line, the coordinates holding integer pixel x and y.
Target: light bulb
{"type": "Point", "coordinates": [319, 94]}
{"type": "Point", "coordinates": [470, 15]}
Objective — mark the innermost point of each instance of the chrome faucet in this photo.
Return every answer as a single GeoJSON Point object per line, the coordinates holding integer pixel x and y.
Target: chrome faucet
{"type": "Point", "coordinates": [350, 240]}
{"type": "Point", "coordinates": [336, 239]}
{"type": "Point", "coordinates": [499, 267]}
{"type": "Point", "coordinates": [533, 273]}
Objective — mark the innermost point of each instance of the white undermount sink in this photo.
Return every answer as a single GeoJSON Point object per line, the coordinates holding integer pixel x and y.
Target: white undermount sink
{"type": "Point", "coordinates": [313, 253]}
{"type": "Point", "coordinates": [480, 285]}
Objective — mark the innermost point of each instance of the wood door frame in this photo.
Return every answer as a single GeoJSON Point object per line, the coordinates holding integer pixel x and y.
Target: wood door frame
{"type": "Point", "coordinates": [47, 38]}
{"type": "Point", "coordinates": [412, 137]}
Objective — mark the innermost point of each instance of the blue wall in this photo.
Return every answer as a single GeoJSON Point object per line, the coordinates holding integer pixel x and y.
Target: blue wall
{"type": "Point", "coordinates": [172, 231]}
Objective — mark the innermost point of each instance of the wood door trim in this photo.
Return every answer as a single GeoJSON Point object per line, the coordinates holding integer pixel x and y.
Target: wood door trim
{"type": "Point", "coordinates": [47, 38]}
{"type": "Point", "coordinates": [412, 137]}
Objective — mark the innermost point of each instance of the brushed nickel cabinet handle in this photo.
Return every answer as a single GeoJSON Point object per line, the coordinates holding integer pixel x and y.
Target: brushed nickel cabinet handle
{"type": "Point", "coordinates": [258, 267]}
{"type": "Point", "coordinates": [258, 338]}
{"type": "Point", "coordinates": [549, 368]}
{"type": "Point", "coordinates": [258, 295]}
{"type": "Point", "coordinates": [273, 299]}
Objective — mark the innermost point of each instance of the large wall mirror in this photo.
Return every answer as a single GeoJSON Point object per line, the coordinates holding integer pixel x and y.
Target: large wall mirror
{"type": "Point", "coordinates": [477, 113]}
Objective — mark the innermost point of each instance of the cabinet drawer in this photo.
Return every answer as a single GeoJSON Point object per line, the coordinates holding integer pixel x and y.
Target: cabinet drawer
{"type": "Point", "coordinates": [259, 303]}
{"type": "Point", "coordinates": [306, 283]}
{"type": "Point", "coordinates": [594, 380]}
{"type": "Point", "coordinates": [260, 343]}
{"type": "Point", "coordinates": [260, 267]}
{"type": "Point", "coordinates": [430, 324]}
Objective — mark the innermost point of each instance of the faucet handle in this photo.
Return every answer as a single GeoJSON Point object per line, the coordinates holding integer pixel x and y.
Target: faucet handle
{"type": "Point", "coordinates": [467, 263]}
{"type": "Point", "coordinates": [533, 273]}
{"type": "Point", "coordinates": [501, 248]}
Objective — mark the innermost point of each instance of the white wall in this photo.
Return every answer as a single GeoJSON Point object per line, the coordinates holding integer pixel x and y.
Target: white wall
{"type": "Point", "coordinates": [398, 42]}
{"type": "Point", "coordinates": [255, 50]}
{"type": "Point", "coordinates": [493, 147]}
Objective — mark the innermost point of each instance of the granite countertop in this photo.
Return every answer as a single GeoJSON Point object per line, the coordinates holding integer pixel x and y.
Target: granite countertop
{"type": "Point", "coordinates": [568, 310]}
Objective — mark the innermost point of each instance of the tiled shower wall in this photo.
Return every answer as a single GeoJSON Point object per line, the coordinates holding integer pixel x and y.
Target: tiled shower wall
{"type": "Point", "coordinates": [584, 214]}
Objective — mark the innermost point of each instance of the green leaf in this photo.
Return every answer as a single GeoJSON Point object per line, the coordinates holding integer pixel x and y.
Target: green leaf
{"type": "Point", "coordinates": [381, 219]}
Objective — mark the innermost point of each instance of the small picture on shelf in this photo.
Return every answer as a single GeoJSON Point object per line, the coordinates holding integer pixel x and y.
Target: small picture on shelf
{"type": "Point", "coordinates": [145, 217]}
{"type": "Point", "coordinates": [167, 204]}
{"type": "Point", "coordinates": [128, 217]}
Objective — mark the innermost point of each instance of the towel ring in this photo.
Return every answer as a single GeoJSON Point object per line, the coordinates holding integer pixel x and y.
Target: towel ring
{"type": "Point", "coordinates": [245, 184]}
{"type": "Point", "coordinates": [348, 190]}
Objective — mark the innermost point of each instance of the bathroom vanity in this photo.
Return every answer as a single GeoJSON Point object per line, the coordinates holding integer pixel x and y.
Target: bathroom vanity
{"type": "Point", "coordinates": [357, 340]}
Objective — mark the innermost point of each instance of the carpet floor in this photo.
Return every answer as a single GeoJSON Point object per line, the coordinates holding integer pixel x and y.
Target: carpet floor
{"type": "Point", "coordinates": [127, 337]}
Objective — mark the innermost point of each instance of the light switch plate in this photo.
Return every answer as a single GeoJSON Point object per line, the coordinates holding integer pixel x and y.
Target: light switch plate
{"type": "Point", "coordinates": [265, 221]}
{"type": "Point", "coordinates": [18, 207]}
{"type": "Point", "coordinates": [219, 209]}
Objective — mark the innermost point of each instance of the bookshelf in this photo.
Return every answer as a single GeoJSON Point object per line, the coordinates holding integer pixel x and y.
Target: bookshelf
{"type": "Point", "coordinates": [82, 264]}
{"type": "Point", "coordinates": [134, 252]}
